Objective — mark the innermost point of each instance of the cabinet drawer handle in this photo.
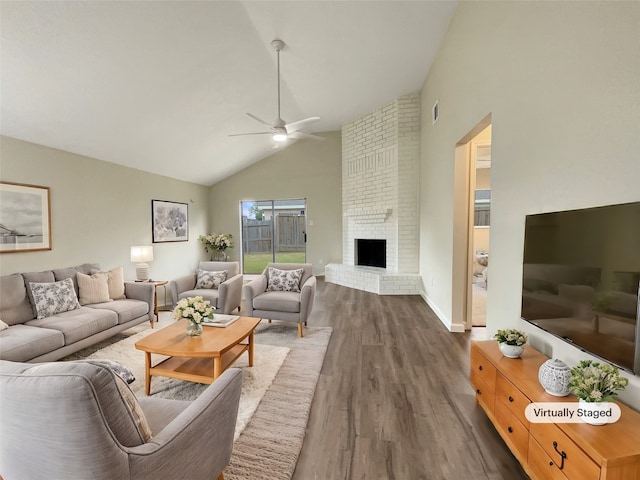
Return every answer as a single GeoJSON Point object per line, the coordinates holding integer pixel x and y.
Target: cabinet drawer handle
{"type": "Point", "coordinates": [510, 429]}
{"type": "Point", "coordinates": [562, 454]}
{"type": "Point", "coordinates": [510, 398]}
{"type": "Point", "coordinates": [551, 464]}
{"type": "Point", "coordinates": [480, 367]}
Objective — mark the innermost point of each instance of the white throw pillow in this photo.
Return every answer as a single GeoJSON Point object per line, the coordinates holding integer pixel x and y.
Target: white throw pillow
{"type": "Point", "coordinates": [52, 298]}
{"type": "Point", "coordinates": [115, 280]}
{"type": "Point", "coordinates": [210, 279]}
{"type": "Point", "coordinates": [3, 325]}
{"type": "Point", "coordinates": [284, 280]}
{"type": "Point", "coordinates": [93, 288]}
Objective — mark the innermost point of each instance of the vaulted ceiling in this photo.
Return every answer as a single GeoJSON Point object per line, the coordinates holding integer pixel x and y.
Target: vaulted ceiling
{"type": "Point", "coordinates": [160, 85]}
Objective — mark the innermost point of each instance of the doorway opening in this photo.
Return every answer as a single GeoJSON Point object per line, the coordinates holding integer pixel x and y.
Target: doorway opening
{"type": "Point", "coordinates": [272, 231]}
{"type": "Point", "coordinates": [472, 213]}
{"type": "Point", "coordinates": [480, 192]}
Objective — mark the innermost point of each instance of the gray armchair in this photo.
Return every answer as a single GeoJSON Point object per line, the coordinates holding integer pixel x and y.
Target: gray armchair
{"type": "Point", "coordinates": [72, 420]}
{"type": "Point", "coordinates": [288, 306]}
{"type": "Point", "coordinates": [225, 298]}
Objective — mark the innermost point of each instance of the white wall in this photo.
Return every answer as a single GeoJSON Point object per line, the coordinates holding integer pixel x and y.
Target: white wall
{"type": "Point", "coordinates": [99, 210]}
{"type": "Point", "coordinates": [560, 80]}
{"type": "Point", "coordinates": [305, 169]}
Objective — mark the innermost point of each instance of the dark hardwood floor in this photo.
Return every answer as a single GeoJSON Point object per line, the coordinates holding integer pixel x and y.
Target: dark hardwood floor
{"type": "Point", "coordinates": [394, 399]}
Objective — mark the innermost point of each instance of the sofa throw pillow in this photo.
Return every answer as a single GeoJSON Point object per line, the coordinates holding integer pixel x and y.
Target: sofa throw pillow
{"type": "Point", "coordinates": [93, 288]}
{"type": "Point", "coordinates": [135, 409]}
{"type": "Point", "coordinates": [119, 369]}
{"type": "Point", "coordinates": [210, 279]}
{"type": "Point", "coordinates": [3, 325]}
{"type": "Point", "coordinates": [52, 298]}
{"type": "Point", "coordinates": [120, 372]}
{"type": "Point", "coordinates": [115, 280]}
{"type": "Point", "coordinates": [284, 280]}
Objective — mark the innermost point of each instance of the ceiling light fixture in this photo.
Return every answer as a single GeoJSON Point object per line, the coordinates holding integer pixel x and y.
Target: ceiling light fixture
{"type": "Point", "coordinates": [280, 137]}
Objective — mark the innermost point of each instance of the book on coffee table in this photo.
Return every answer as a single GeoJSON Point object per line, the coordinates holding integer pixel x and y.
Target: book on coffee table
{"type": "Point", "coordinates": [220, 320]}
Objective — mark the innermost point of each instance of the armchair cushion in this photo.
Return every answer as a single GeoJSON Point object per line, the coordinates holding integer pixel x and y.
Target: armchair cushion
{"type": "Point", "coordinates": [278, 302]}
{"type": "Point", "coordinates": [284, 280]}
{"type": "Point", "coordinates": [210, 279]}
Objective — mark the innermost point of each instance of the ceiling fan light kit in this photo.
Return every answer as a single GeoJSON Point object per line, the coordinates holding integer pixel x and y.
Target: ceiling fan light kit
{"type": "Point", "coordinates": [280, 137]}
{"type": "Point", "coordinates": [280, 130]}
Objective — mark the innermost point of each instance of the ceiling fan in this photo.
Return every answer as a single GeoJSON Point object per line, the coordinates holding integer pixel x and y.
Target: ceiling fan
{"type": "Point", "coordinates": [280, 130]}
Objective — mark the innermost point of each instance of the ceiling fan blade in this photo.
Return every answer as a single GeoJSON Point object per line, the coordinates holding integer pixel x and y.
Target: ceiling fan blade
{"type": "Point", "coordinates": [260, 120]}
{"type": "Point", "coordinates": [302, 135]}
{"type": "Point", "coordinates": [253, 133]}
{"type": "Point", "coordinates": [295, 126]}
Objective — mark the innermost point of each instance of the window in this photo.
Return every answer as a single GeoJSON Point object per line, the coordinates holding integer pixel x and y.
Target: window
{"type": "Point", "coordinates": [273, 231]}
{"type": "Point", "coordinates": [482, 210]}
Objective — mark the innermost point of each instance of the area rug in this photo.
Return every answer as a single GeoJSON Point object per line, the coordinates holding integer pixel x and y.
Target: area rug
{"type": "Point", "coordinates": [255, 380]}
{"type": "Point", "coordinates": [270, 434]}
{"type": "Point", "coordinates": [270, 444]}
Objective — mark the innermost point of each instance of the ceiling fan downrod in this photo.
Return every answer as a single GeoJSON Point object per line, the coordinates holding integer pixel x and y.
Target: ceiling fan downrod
{"type": "Point", "coordinates": [278, 45]}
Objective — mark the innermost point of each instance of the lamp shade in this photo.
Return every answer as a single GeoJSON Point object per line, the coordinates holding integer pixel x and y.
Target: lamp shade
{"type": "Point", "coordinates": [142, 254]}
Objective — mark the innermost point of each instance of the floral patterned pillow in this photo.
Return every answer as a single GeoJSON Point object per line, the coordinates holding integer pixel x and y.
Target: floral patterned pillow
{"type": "Point", "coordinates": [52, 298]}
{"type": "Point", "coordinates": [284, 280]}
{"type": "Point", "coordinates": [207, 279]}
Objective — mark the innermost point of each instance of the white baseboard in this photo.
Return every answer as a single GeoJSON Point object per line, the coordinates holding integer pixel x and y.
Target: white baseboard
{"type": "Point", "coordinates": [452, 327]}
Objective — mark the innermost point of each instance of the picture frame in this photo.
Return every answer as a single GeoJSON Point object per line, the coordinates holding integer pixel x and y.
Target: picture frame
{"type": "Point", "coordinates": [169, 221]}
{"type": "Point", "coordinates": [25, 218]}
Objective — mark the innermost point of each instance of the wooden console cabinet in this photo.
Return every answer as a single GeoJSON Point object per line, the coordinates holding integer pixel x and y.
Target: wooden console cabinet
{"type": "Point", "coordinates": [550, 451]}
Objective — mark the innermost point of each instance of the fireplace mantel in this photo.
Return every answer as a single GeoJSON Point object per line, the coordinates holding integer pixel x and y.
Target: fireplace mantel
{"type": "Point", "coordinates": [369, 216]}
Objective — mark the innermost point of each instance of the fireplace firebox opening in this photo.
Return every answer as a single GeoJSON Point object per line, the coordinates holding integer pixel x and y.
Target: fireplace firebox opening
{"type": "Point", "coordinates": [371, 252]}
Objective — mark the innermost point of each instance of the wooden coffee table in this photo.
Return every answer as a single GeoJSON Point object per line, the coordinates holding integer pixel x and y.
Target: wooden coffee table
{"type": "Point", "coordinates": [197, 359]}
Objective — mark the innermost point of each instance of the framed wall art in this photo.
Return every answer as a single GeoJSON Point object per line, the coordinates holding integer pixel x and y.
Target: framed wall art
{"type": "Point", "coordinates": [169, 221]}
{"type": "Point", "coordinates": [25, 218]}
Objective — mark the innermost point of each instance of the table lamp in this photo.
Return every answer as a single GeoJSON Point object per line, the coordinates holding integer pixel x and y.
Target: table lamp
{"type": "Point", "coordinates": [142, 254]}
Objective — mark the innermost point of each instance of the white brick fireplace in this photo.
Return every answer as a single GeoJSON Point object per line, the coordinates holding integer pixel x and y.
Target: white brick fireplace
{"type": "Point", "coordinates": [380, 198]}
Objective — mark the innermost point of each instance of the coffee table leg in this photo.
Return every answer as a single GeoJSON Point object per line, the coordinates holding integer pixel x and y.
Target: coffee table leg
{"type": "Point", "coordinates": [217, 367]}
{"type": "Point", "coordinates": [250, 349]}
{"type": "Point", "coordinates": [147, 376]}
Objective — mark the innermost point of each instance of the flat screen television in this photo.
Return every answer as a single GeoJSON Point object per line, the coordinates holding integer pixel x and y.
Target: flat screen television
{"type": "Point", "coordinates": [580, 279]}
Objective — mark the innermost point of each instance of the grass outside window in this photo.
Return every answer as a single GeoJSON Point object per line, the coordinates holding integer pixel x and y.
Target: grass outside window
{"type": "Point", "coordinates": [256, 262]}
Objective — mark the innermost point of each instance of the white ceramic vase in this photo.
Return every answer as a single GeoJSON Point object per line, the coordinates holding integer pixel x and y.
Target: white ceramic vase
{"type": "Point", "coordinates": [554, 376]}
{"type": "Point", "coordinates": [593, 407]}
{"type": "Point", "coordinates": [511, 351]}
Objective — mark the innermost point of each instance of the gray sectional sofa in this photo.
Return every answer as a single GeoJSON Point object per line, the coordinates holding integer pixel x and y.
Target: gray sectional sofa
{"type": "Point", "coordinates": [31, 339]}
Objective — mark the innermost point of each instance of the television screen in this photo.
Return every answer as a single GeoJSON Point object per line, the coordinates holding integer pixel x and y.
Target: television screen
{"type": "Point", "coordinates": [581, 276]}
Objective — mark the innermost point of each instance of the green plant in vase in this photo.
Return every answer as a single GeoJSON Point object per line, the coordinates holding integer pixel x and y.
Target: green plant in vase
{"type": "Point", "coordinates": [511, 342]}
{"type": "Point", "coordinates": [594, 383]}
{"type": "Point", "coordinates": [217, 244]}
